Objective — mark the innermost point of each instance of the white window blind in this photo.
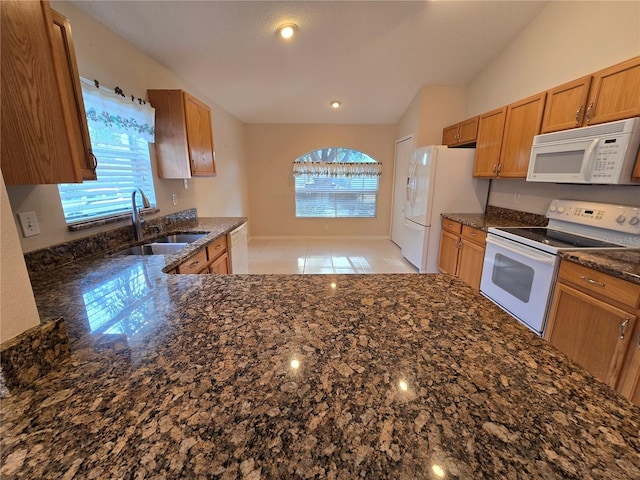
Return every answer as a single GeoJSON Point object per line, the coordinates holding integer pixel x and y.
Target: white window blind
{"type": "Point", "coordinates": [336, 182]}
{"type": "Point", "coordinates": [123, 163]}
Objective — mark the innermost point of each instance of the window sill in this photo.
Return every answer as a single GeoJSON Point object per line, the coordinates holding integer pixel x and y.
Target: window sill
{"type": "Point", "coordinates": [87, 224]}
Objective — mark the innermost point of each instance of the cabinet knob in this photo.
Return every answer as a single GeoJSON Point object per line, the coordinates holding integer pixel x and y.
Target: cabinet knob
{"type": "Point", "coordinates": [623, 326]}
{"type": "Point", "coordinates": [94, 160]}
{"type": "Point", "coordinates": [588, 114]}
{"type": "Point", "coordinates": [495, 168]}
{"type": "Point", "coordinates": [578, 115]}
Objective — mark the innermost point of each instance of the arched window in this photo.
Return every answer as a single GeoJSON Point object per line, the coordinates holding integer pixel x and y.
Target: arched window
{"type": "Point", "coordinates": [336, 182]}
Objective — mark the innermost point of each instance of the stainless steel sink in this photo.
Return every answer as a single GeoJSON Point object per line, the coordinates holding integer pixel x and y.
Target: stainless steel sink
{"type": "Point", "coordinates": [152, 249]}
{"type": "Point", "coordinates": [163, 245]}
{"type": "Point", "coordinates": [180, 238]}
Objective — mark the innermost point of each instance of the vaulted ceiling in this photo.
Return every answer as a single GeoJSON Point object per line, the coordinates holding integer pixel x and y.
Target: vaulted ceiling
{"type": "Point", "coordinates": [373, 56]}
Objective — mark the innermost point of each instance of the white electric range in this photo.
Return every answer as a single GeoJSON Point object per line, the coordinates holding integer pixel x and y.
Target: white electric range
{"type": "Point", "coordinates": [521, 264]}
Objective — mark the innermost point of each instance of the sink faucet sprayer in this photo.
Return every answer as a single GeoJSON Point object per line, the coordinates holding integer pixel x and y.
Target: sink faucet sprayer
{"type": "Point", "coordinates": [135, 213]}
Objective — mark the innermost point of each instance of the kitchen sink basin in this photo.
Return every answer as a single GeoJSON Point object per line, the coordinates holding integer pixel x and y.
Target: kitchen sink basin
{"type": "Point", "coordinates": [153, 249]}
{"type": "Point", "coordinates": [180, 238]}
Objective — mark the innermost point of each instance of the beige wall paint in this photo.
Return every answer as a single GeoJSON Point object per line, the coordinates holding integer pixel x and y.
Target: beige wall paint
{"type": "Point", "coordinates": [102, 55]}
{"type": "Point", "coordinates": [565, 41]}
{"type": "Point", "coordinates": [271, 150]}
{"type": "Point", "coordinates": [432, 109]}
{"type": "Point", "coordinates": [18, 310]}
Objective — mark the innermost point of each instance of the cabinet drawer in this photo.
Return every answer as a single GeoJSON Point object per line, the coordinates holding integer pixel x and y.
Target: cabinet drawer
{"type": "Point", "coordinates": [217, 248]}
{"type": "Point", "coordinates": [474, 235]}
{"type": "Point", "coordinates": [600, 283]}
{"type": "Point", "coordinates": [195, 264]}
{"type": "Point", "coordinates": [451, 226]}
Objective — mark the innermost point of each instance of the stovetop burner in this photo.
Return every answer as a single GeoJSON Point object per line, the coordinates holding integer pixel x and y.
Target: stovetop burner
{"type": "Point", "coordinates": [558, 239]}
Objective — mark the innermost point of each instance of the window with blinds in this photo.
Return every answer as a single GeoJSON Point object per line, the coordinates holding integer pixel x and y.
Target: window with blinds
{"type": "Point", "coordinates": [336, 183]}
{"type": "Point", "coordinates": [123, 166]}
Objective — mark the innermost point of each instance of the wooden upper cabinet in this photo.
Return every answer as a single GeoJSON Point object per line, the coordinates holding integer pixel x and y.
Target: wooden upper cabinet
{"type": "Point", "coordinates": [65, 57]}
{"type": "Point", "coordinates": [450, 135]}
{"type": "Point", "coordinates": [184, 136]}
{"type": "Point", "coordinates": [615, 93]}
{"type": "Point", "coordinates": [44, 130]}
{"type": "Point", "coordinates": [489, 142]}
{"type": "Point", "coordinates": [523, 122]}
{"type": "Point", "coordinates": [460, 134]}
{"type": "Point", "coordinates": [566, 105]}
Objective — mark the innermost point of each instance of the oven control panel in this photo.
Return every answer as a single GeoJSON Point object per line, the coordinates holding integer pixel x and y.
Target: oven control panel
{"type": "Point", "coordinates": [620, 218]}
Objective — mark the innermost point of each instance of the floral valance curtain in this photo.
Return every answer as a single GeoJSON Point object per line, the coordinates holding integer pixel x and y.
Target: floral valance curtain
{"type": "Point", "coordinates": [335, 169]}
{"type": "Point", "coordinates": [108, 110]}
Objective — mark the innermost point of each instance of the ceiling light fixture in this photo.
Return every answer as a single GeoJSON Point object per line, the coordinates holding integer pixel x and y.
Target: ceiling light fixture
{"type": "Point", "coordinates": [336, 104]}
{"type": "Point", "coordinates": [286, 30]}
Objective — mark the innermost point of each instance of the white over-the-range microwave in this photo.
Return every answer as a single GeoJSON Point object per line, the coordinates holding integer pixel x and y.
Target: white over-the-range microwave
{"type": "Point", "coordinates": [600, 154]}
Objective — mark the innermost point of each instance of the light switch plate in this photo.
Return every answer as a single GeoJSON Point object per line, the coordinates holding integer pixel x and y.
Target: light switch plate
{"type": "Point", "coordinates": [29, 224]}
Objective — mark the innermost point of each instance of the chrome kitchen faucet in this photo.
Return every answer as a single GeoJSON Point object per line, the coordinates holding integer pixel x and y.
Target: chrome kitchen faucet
{"type": "Point", "coordinates": [135, 213]}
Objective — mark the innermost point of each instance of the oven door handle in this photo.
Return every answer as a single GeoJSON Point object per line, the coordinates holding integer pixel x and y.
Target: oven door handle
{"type": "Point", "coordinates": [528, 252]}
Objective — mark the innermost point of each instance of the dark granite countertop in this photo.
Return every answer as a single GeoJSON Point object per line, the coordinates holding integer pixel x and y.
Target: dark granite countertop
{"type": "Point", "coordinates": [303, 376]}
{"type": "Point", "coordinates": [623, 264]}
{"type": "Point", "coordinates": [497, 217]}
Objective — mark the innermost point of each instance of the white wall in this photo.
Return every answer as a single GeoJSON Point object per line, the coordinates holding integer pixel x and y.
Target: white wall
{"type": "Point", "coordinates": [17, 307]}
{"type": "Point", "coordinates": [102, 55]}
{"type": "Point", "coordinates": [565, 41]}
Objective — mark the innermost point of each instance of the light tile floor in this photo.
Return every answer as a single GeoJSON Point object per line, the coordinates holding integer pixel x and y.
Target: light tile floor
{"type": "Point", "coordinates": [326, 256]}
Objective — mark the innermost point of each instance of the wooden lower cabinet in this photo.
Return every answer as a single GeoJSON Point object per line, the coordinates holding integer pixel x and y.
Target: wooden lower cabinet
{"type": "Point", "coordinates": [220, 265]}
{"type": "Point", "coordinates": [212, 259]}
{"type": "Point", "coordinates": [462, 252]}
{"type": "Point", "coordinates": [594, 321]}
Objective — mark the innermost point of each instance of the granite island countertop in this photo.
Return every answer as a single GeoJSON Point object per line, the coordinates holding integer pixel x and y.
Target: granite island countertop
{"type": "Point", "coordinates": [303, 376]}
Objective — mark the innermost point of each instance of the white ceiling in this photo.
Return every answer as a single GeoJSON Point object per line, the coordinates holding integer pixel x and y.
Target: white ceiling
{"type": "Point", "coordinates": [372, 55]}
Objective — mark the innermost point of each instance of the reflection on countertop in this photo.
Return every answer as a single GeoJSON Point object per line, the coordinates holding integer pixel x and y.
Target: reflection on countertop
{"type": "Point", "coordinates": [303, 376]}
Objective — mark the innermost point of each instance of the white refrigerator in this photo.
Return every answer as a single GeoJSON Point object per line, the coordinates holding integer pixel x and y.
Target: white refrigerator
{"type": "Point", "coordinates": [440, 181]}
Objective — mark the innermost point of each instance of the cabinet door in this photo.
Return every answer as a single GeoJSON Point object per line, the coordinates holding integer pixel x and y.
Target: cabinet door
{"type": "Point", "coordinates": [490, 130]}
{"type": "Point", "coordinates": [448, 256]}
{"type": "Point", "coordinates": [615, 93]}
{"type": "Point", "coordinates": [221, 265]}
{"type": "Point", "coordinates": [565, 105]}
{"type": "Point", "coordinates": [450, 135]}
{"type": "Point", "coordinates": [522, 124]}
{"type": "Point", "coordinates": [71, 92]}
{"type": "Point", "coordinates": [200, 137]}
{"type": "Point", "coordinates": [35, 126]}
{"type": "Point", "coordinates": [470, 265]}
{"type": "Point", "coordinates": [629, 383]}
{"type": "Point", "coordinates": [468, 132]}
{"type": "Point", "coordinates": [589, 331]}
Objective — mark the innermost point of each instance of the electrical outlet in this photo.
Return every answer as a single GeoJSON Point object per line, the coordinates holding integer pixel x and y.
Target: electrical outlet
{"type": "Point", "coordinates": [186, 184]}
{"type": "Point", "coordinates": [174, 199]}
{"type": "Point", "coordinates": [516, 198]}
{"type": "Point", "coordinates": [29, 224]}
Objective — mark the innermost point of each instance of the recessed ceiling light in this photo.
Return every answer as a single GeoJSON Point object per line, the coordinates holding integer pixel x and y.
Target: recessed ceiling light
{"type": "Point", "coordinates": [286, 30]}
{"type": "Point", "coordinates": [336, 104]}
